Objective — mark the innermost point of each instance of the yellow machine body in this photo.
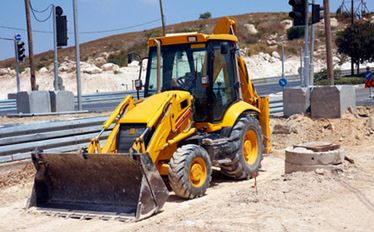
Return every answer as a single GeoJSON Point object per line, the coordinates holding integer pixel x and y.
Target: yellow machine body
{"type": "Point", "coordinates": [154, 128]}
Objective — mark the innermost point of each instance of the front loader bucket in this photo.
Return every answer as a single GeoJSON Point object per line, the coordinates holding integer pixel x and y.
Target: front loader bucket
{"type": "Point", "coordinates": [118, 185]}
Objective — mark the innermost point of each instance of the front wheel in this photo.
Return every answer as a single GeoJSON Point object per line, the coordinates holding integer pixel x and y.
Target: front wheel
{"type": "Point", "coordinates": [246, 138]}
{"type": "Point", "coordinates": [190, 171]}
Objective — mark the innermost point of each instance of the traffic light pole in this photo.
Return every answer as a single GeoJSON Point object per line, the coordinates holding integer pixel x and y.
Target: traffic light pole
{"type": "Point", "coordinates": [17, 66]}
{"type": "Point", "coordinates": [306, 50]}
{"type": "Point", "coordinates": [55, 61]}
{"type": "Point", "coordinates": [77, 55]}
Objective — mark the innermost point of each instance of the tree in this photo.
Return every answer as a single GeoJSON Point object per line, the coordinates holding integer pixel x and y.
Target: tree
{"type": "Point", "coordinates": [357, 41]}
{"type": "Point", "coordinates": [206, 15]}
{"type": "Point", "coordinates": [295, 33]}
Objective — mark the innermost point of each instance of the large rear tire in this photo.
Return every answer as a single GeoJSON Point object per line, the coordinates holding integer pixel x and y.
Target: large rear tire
{"type": "Point", "coordinates": [246, 139]}
{"type": "Point", "coordinates": [190, 171]}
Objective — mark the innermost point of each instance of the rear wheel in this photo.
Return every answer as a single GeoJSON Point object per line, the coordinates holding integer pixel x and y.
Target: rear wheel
{"type": "Point", "coordinates": [246, 138]}
{"type": "Point", "coordinates": [190, 171]}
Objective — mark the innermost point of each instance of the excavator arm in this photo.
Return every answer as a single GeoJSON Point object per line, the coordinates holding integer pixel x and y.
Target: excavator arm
{"type": "Point", "coordinates": [228, 25]}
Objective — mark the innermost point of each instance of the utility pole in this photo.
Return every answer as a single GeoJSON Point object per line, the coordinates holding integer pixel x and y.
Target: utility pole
{"type": "Point", "coordinates": [162, 18]}
{"type": "Point", "coordinates": [306, 50]}
{"type": "Point", "coordinates": [31, 51]}
{"type": "Point", "coordinates": [352, 22]}
{"type": "Point", "coordinates": [330, 68]}
{"type": "Point", "coordinates": [77, 55]}
{"type": "Point", "coordinates": [311, 66]}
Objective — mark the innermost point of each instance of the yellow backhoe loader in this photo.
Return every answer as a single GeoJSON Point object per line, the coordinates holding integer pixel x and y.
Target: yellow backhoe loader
{"type": "Point", "coordinates": [199, 110]}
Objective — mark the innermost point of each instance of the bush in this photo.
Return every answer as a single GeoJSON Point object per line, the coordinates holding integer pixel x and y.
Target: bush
{"type": "Point", "coordinates": [119, 59]}
{"type": "Point", "coordinates": [295, 33]}
{"type": "Point", "coordinates": [322, 75]}
{"type": "Point", "coordinates": [206, 15]}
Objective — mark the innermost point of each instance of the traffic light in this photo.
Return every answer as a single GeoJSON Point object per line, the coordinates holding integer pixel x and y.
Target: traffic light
{"type": "Point", "coordinates": [316, 13]}
{"type": "Point", "coordinates": [298, 11]}
{"type": "Point", "coordinates": [20, 51]}
{"type": "Point", "coordinates": [61, 26]}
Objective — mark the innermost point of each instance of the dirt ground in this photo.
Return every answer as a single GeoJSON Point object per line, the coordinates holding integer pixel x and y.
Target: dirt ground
{"type": "Point", "coordinates": [339, 200]}
{"type": "Point", "coordinates": [4, 120]}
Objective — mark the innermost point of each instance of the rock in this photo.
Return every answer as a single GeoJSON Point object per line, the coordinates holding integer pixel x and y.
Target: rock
{"type": "Point", "coordinates": [251, 29]}
{"type": "Point", "coordinates": [93, 69]}
{"type": "Point", "coordinates": [99, 61]}
{"type": "Point", "coordinates": [272, 60]}
{"type": "Point", "coordinates": [26, 71]}
{"type": "Point", "coordinates": [320, 171]}
{"type": "Point", "coordinates": [287, 24]}
{"type": "Point", "coordinates": [282, 129]}
{"type": "Point", "coordinates": [371, 122]}
{"type": "Point", "coordinates": [116, 69]}
{"type": "Point", "coordinates": [275, 55]}
{"type": "Point", "coordinates": [67, 66]}
{"type": "Point", "coordinates": [273, 36]}
{"type": "Point", "coordinates": [43, 70]}
{"type": "Point", "coordinates": [333, 22]}
{"type": "Point", "coordinates": [4, 71]}
{"type": "Point", "coordinates": [107, 67]}
{"type": "Point", "coordinates": [271, 42]}
{"type": "Point", "coordinates": [133, 64]}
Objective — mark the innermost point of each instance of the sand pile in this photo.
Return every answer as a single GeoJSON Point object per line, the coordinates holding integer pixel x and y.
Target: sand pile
{"type": "Point", "coordinates": [351, 129]}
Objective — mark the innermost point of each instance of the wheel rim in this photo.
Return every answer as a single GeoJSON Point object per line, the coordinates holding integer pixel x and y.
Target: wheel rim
{"type": "Point", "coordinates": [250, 147]}
{"type": "Point", "coordinates": [198, 172]}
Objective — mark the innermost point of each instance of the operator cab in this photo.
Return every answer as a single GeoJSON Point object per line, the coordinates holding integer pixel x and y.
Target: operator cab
{"type": "Point", "coordinates": [206, 70]}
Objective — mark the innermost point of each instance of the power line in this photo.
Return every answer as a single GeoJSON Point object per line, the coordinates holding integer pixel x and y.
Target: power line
{"type": "Point", "coordinates": [120, 29]}
{"type": "Point", "coordinates": [40, 11]}
{"type": "Point", "coordinates": [84, 32]}
{"type": "Point", "coordinates": [33, 11]}
{"type": "Point", "coordinates": [23, 29]}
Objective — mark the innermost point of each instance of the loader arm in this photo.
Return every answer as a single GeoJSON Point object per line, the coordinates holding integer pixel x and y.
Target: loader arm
{"type": "Point", "coordinates": [94, 147]}
{"type": "Point", "coordinates": [262, 103]}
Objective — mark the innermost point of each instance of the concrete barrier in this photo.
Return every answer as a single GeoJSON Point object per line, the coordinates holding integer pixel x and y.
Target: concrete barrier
{"type": "Point", "coordinates": [33, 102]}
{"type": "Point", "coordinates": [296, 100]}
{"type": "Point", "coordinates": [332, 101]}
{"type": "Point", "coordinates": [62, 101]}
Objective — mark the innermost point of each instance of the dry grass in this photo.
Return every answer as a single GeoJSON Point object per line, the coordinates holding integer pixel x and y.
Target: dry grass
{"type": "Point", "coordinates": [267, 24]}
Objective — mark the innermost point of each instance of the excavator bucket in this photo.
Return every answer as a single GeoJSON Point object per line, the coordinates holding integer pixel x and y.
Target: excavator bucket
{"type": "Point", "coordinates": [106, 185]}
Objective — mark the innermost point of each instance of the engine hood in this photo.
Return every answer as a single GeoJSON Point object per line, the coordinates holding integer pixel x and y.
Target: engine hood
{"type": "Point", "coordinates": [144, 111]}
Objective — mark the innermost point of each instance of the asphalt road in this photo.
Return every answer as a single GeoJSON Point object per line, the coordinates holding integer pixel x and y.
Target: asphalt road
{"type": "Point", "coordinates": [362, 97]}
{"type": "Point", "coordinates": [263, 89]}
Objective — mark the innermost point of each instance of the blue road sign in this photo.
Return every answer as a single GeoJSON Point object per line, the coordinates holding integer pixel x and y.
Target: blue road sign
{"type": "Point", "coordinates": [17, 37]}
{"type": "Point", "coordinates": [282, 82]}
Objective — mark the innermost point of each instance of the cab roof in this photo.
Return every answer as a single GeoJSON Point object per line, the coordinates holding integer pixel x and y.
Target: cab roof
{"type": "Point", "coordinates": [190, 38]}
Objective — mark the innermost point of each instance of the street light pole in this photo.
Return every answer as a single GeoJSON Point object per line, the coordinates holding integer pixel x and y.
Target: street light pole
{"type": "Point", "coordinates": [306, 50]}
{"type": "Point", "coordinates": [77, 55]}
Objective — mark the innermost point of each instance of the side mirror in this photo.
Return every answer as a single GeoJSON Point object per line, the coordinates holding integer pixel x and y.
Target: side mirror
{"type": "Point", "coordinates": [138, 84]}
{"type": "Point", "coordinates": [224, 48]}
{"type": "Point", "coordinates": [130, 57]}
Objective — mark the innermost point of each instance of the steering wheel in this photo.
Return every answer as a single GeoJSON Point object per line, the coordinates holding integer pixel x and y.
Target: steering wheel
{"type": "Point", "coordinates": [186, 81]}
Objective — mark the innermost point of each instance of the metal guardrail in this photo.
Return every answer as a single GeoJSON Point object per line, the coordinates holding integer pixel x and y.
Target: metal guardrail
{"type": "Point", "coordinates": [11, 105]}
{"type": "Point", "coordinates": [17, 142]}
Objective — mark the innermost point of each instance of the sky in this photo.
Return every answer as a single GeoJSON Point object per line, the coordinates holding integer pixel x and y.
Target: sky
{"type": "Point", "coordinates": [129, 15]}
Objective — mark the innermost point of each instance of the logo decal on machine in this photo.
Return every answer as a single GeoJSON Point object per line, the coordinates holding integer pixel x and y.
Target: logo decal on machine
{"type": "Point", "coordinates": [182, 118]}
